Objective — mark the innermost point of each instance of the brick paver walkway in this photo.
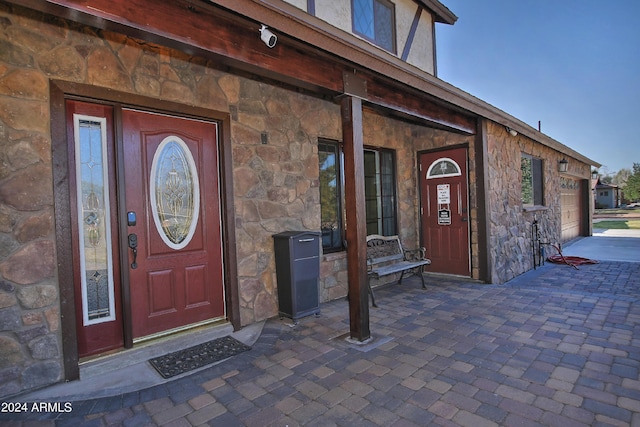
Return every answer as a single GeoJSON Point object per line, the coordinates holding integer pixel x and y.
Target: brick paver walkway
{"type": "Point", "coordinates": [555, 347]}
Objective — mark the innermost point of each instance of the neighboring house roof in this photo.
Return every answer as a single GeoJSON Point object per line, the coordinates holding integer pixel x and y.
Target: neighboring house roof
{"type": "Point", "coordinates": [440, 11]}
{"type": "Point", "coordinates": [606, 186]}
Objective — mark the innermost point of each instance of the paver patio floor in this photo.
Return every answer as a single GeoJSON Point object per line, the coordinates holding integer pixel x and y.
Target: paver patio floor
{"type": "Point", "coordinates": [555, 347]}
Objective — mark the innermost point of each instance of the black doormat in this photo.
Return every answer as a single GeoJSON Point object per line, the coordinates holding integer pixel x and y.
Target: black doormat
{"type": "Point", "coordinates": [195, 357]}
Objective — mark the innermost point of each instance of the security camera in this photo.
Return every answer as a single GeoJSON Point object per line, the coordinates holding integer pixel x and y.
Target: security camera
{"type": "Point", "coordinates": [268, 37]}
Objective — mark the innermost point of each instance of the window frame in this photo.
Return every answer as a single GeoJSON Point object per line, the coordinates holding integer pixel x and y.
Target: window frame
{"type": "Point", "coordinates": [375, 22]}
{"type": "Point", "coordinates": [391, 187]}
{"type": "Point", "coordinates": [536, 183]}
{"type": "Point", "coordinates": [338, 245]}
{"type": "Point", "coordinates": [386, 222]}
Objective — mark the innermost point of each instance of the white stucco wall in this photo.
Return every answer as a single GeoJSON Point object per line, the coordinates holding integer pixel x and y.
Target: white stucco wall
{"type": "Point", "coordinates": [335, 12]}
{"type": "Point", "coordinates": [300, 4]}
{"type": "Point", "coordinates": [338, 14]}
{"type": "Point", "coordinates": [421, 54]}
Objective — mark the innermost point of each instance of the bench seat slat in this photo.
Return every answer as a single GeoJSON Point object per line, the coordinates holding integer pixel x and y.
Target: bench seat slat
{"type": "Point", "coordinates": [398, 267]}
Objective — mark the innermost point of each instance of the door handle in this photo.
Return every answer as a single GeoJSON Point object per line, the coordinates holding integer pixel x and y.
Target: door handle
{"type": "Point", "coordinates": [464, 219]}
{"type": "Point", "coordinates": [133, 244]}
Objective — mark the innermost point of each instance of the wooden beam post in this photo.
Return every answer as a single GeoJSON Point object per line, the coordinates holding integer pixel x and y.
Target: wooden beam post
{"type": "Point", "coordinates": [356, 217]}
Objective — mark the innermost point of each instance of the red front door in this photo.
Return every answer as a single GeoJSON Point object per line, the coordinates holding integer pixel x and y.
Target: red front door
{"type": "Point", "coordinates": [173, 205]}
{"type": "Point", "coordinates": [444, 210]}
{"type": "Point", "coordinates": [165, 193]}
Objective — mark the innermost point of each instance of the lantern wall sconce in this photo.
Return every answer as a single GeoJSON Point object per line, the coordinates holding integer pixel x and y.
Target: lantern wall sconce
{"type": "Point", "coordinates": [563, 165]}
{"type": "Point", "coordinates": [512, 132]}
{"type": "Point", "coordinates": [594, 174]}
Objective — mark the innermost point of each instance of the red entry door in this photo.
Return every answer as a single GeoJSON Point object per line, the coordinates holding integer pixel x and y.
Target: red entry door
{"type": "Point", "coordinates": [445, 212]}
{"type": "Point", "coordinates": [172, 201]}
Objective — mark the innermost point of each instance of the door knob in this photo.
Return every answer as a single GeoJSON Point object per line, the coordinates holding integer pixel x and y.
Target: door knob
{"type": "Point", "coordinates": [133, 244]}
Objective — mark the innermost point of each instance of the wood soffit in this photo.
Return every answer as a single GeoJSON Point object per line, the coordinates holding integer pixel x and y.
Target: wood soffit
{"type": "Point", "coordinates": [392, 83]}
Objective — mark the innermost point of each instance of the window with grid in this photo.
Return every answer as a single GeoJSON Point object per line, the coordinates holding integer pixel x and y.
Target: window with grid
{"type": "Point", "coordinates": [379, 190]}
{"type": "Point", "coordinates": [380, 193]}
{"type": "Point", "coordinates": [375, 21]}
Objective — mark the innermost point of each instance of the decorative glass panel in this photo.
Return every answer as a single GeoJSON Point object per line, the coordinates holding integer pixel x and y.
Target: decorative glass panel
{"type": "Point", "coordinates": [94, 230]}
{"type": "Point", "coordinates": [384, 25]}
{"type": "Point", "coordinates": [442, 168]}
{"type": "Point", "coordinates": [363, 17]}
{"type": "Point", "coordinates": [375, 20]}
{"type": "Point", "coordinates": [175, 192]}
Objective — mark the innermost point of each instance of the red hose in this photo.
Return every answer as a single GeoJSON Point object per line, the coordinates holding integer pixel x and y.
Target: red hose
{"type": "Point", "coordinates": [573, 261]}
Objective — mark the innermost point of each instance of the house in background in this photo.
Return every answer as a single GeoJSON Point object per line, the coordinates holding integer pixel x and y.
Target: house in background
{"type": "Point", "coordinates": [607, 196]}
{"type": "Point", "coordinates": [151, 149]}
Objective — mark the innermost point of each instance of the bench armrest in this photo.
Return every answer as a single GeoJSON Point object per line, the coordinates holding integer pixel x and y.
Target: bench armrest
{"type": "Point", "coordinates": [419, 254]}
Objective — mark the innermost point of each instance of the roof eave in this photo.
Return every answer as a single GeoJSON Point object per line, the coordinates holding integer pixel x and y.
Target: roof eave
{"type": "Point", "coordinates": [349, 47]}
{"type": "Point", "coordinates": [441, 13]}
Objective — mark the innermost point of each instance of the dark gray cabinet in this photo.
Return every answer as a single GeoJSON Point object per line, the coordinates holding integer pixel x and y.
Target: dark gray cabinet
{"type": "Point", "coordinates": [298, 271]}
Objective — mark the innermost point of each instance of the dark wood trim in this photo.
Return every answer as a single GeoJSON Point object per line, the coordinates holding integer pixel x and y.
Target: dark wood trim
{"type": "Point", "coordinates": [127, 315]}
{"type": "Point", "coordinates": [586, 196]}
{"type": "Point", "coordinates": [229, 223]}
{"type": "Point", "coordinates": [435, 51]}
{"type": "Point", "coordinates": [440, 11]}
{"type": "Point", "coordinates": [412, 34]}
{"type": "Point", "coordinates": [227, 33]}
{"type": "Point", "coordinates": [60, 90]}
{"type": "Point", "coordinates": [482, 200]}
{"type": "Point", "coordinates": [64, 250]}
{"type": "Point", "coordinates": [234, 43]}
{"type": "Point", "coordinates": [352, 139]}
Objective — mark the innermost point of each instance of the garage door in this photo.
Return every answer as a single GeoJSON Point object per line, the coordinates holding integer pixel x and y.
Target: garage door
{"type": "Point", "coordinates": [571, 208]}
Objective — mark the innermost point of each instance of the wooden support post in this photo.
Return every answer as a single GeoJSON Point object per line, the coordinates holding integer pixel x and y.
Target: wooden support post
{"type": "Point", "coordinates": [356, 217]}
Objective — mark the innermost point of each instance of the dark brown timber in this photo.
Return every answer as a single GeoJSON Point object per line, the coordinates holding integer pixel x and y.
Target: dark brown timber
{"type": "Point", "coordinates": [201, 28]}
{"type": "Point", "coordinates": [356, 217]}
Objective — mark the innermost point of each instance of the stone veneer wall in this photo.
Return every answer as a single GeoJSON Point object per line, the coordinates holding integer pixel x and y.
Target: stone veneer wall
{"type": "Point", "coordinates": [510, 225]}
{"type": "Point", "coordinates": [275, 184]}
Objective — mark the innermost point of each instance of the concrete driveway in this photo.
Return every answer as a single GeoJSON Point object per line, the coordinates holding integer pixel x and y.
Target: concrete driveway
{"type": "Point", "coordinates": [607, 245]}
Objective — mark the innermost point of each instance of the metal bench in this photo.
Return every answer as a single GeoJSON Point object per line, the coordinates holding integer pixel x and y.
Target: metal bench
{"type": "Point", "coordinates": [385, 256]}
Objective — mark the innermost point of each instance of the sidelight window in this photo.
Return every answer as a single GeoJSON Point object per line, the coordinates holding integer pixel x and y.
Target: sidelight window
{"type": "Point", "coordinates": [94, 231]}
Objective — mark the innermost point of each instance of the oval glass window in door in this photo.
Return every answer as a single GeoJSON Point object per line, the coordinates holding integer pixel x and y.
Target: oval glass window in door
{"type": "Point", "coordinates": [175, 192]}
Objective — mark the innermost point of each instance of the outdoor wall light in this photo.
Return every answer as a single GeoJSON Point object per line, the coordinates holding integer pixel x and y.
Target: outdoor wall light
{"type": "Point", "coordinates": [563, 165]}
{"type": "Point", "coordinates": [268, 37]}
{"type": "Point", "coordinates": [594, 174]}
{"type": "Point", "coordinates": [512, 132]}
